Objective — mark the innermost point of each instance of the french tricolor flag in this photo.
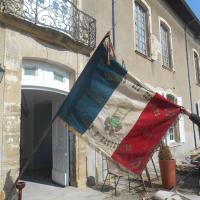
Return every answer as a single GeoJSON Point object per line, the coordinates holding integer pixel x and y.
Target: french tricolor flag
{"type": "Point", "coordinates": [117, 113]}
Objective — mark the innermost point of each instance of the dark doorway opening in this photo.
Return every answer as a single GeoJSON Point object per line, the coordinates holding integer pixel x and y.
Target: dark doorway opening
{"type": "Point", "coordinates": [36, 115]}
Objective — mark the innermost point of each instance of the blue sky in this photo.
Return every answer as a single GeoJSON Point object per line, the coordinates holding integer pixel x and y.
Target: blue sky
{"type": "Point", "coordinates": [195, 6]}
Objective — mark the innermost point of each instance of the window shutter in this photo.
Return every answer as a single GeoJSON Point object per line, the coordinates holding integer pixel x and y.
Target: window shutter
{"type": "Point", "coordinates": [155, 47]}
{"type": "Point", "coordinates": [181, 122]}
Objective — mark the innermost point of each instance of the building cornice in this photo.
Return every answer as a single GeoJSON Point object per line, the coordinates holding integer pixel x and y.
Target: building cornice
{"type": "Point", "coordinates": [183, 10]}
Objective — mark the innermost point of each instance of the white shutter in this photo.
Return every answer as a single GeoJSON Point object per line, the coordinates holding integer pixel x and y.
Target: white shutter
{"type": "Point", "coordinates": [155, 48]}
{"type": "Point", "coordinates": [181, 122]}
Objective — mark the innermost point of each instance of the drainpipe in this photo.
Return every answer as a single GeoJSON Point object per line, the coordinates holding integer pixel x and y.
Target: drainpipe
{"type": "Point", "coordinates": [189, 80]}
{"type": "Point", "coordinates": [113, 21]}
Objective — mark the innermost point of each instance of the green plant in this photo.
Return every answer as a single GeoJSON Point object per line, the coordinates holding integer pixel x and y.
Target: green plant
{"type": "Point", "coordinates": [164, 153]}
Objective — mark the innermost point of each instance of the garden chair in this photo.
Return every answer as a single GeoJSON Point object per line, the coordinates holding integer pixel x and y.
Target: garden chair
{"type": "Point", "coordinates": [114, 170]}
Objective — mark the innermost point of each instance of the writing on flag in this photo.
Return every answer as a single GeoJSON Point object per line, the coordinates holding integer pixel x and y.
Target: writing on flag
{"type": "Point", "coordinates": [117, 113]}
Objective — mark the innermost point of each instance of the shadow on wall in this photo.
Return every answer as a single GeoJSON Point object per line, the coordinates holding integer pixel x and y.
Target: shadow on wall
{"type": "Point", "coordinates": [91, 181]}
{"type": "Point", "coordinates": [7, 187]}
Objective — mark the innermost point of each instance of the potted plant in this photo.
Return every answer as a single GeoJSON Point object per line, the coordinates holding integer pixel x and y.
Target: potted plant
{"type": "Point", "coordinates": [167, 167]}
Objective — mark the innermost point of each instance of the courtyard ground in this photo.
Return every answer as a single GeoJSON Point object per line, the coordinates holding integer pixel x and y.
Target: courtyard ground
{"type": "Point", "coordinates": [41, 190]}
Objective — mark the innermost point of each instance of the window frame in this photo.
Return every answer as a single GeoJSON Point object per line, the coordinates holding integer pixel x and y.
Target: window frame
{"type": "Point", "coordinates": [163, 23]}
{"type": "Point", "coordinates": [197, 72]}
{"type": "Point", "coordinates": [175, 125]}
{"type": "Point", "coordinates": [30, 68]}
{"type": "Point", "coordinates": [179, 134]}
{"type": "Point", "coordinates": [148, 28]}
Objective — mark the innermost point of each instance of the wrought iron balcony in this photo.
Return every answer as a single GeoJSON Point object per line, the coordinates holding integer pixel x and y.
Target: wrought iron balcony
{"type": "Point", "coordinates": [59, 15]}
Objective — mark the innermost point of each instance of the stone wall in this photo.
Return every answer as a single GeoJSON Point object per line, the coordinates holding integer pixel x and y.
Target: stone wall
{"type": "Point", "coordinates": [17, 47]}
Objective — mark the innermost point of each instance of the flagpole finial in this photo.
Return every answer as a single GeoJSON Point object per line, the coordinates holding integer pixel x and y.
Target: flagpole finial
{"type": "Point", "coordinates": [107, 35]}
{"type": "Point", "coordinates": [109, 46]}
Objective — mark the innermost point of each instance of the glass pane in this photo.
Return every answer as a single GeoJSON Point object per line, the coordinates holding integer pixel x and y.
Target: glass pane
{"type": "Point", "coordinates": [173, 127]}
{"type": "Point", "coordinates": [165, 46]}
{"type": "Point", "coordinates": [171, 98]}
{"type": "Point", "coordinates": [171, 133]}
{"type": "Point", "coordinates": [58, 77]}
{"type": "Point", "coordinates": [141, 29]}
{"type": "Point", "coordinates": [197, 68]}
{"type": "Point", "coordinates": [41, 1]}
{"type": "Point", "coordinates": [55, 5]}
{"type": "Point", "coordinates": [30, 71]}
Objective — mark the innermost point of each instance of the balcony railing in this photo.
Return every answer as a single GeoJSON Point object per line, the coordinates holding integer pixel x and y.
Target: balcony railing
{"type": "Point", "coordinates": [60, 15]}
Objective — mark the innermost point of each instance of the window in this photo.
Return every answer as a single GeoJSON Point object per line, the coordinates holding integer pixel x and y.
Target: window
{"type": "Point", "coordinates": [197, 68]}
{"type": "Point", "coordinates": [166, 47]}
{"type": "Point", "coordinates": [41, 1]}
{"type": "Point", "coordinates": [55, 5]}
{"type": "Point", "coordinates": [141, 29]}
{"type": "Point", "coordinates": [30, 71]}
{"type": "Point", "coordinates": [173, 134]}
{"type": "Point", "coordinates": [176, 132]}
{"type": "Point", "coordinates": [58, 77]}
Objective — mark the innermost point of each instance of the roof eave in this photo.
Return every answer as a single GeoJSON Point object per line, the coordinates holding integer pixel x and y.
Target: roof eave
{"type": "Point", "coordinates": [186, 14]}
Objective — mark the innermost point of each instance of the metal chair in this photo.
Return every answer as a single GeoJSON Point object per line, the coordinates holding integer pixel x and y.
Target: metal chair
{"type": "Point", "coordinates": [116, 172]}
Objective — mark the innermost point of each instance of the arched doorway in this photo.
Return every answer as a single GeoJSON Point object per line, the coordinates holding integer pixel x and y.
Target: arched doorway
{"type": "Point", "coordinates": [44, 87]}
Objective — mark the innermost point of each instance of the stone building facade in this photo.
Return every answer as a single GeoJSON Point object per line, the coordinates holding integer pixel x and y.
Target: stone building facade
{"type": "Point", "coordinates": [159, 43]}
{"type": "Point", "coordinates": [43, 50]}
{"type": "Point", "coordinates": [42, 58]}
